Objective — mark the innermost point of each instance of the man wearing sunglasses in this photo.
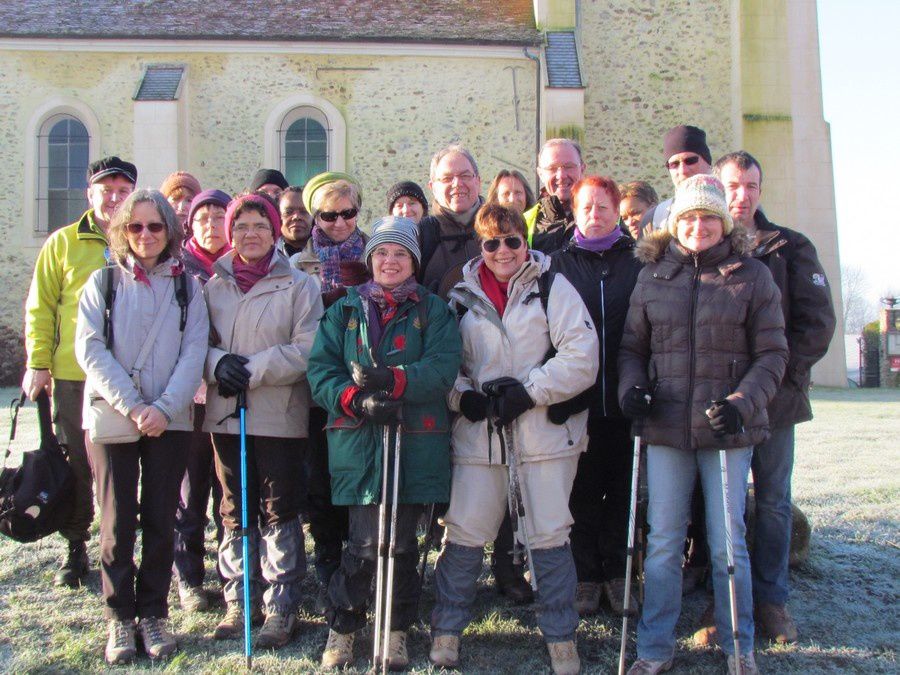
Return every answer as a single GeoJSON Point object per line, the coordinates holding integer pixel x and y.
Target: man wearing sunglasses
{"type": "Point", "coordinates": [686, 154]}
{"type": "Point", "coordinates": [66, 260]}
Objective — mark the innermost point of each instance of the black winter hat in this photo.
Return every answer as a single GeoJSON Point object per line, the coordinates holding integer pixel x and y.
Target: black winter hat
{"type": "Point", "coordinates": [407, 189]}
{"type": "Point", "coordinates": [685, 138]}
{"type": "Point", "coordinates": [266, 177]}
{"type": "Point", "coordinates": [111, 166]}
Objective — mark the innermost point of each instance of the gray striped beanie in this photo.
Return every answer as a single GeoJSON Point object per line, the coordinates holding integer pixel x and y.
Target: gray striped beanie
{"type": "Point", "coordinates": [395, 230]}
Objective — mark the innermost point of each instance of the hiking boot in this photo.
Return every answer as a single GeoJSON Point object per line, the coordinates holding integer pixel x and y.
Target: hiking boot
{"type": "Point", "coordinates": [193, 598]}
{"type": "Point", "coordinates": [706, 634]}
{"type": "Point", "coordinates": [444, 651]}
{"type": "Point", "coordinates": [158, 641]}
{"type": "Point", "coordinates": [748, 665]}
{"type": "Point", "coordinates": [564, 658]}
{"type": "Point", "coordinates": [120, 644]}
{"type": "Point", "coordinates": [587, 597]}
{"type": "Point", "coordinates": [74, 568]}
{"type": "Point", "coordinates": [398, 657]}
{"type": "Point", "coordinates": [614, 590]}
{"type": "Point", "coordinates": [648, 667]}
{"type": "Point", "coordinates": [511, 583]}
{"type": "Point", "coordinates": [232, 624]}
{"type": "Point", "coordinates": [338, 650]}
{"type": "Point", "coordinates": [775, 623]}
{"type": "Point", "coordinates": [276, 631]}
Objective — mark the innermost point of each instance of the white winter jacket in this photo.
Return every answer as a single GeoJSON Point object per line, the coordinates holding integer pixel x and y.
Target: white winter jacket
{"type": "Point", "coordinates": [516, 346]}
{"type": "Point", "coordinates": [173, 370]}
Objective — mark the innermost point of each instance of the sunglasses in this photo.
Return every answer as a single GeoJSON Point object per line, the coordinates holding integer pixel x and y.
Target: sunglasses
{"type": "Point", "coordinates": [137, 228]}
{"type": "Point", "coordinates": [512, 242]}
{"type": "Point", "coordinates": [688, 161]}
{"type": "Point", "coordinates": [332, 216]}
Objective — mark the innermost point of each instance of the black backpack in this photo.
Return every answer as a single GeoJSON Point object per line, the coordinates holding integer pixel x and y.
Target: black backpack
{"type": "Point", "coordinates": [36, 498]}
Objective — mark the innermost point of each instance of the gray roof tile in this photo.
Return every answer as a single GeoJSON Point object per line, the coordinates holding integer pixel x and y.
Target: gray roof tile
{"type": "Point", "coordinates": [562, 60]}
{"type": "Point", "coordinates": [160, 83]}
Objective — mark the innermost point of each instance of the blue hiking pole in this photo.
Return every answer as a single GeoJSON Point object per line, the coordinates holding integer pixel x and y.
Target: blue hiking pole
{"type": "Point", "coordinates": [245, 530]}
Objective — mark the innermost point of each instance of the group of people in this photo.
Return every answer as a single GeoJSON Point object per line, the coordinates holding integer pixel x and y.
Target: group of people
{"type": "Point", "coordinates": [498, 341]}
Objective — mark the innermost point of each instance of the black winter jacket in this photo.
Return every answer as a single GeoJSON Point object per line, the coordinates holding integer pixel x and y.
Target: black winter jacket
{"type": "Point", "coordinates": [604, 281]}
{"type": "Point", "coordinates": [808, 314]}
{"type": "Point", "coordinates": [446, 246]}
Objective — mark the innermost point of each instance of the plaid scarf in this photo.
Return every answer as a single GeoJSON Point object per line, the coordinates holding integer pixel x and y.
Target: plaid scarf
{"type": "Point", "coordinates": [331, 253]}
{"type": "Point", "coordinates": [387, 302]}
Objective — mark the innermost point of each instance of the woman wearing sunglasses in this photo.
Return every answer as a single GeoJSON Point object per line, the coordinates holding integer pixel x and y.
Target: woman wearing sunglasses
{"type": "Point", "coordinates": [528, 342]}
{"type": "Point", "coordinates": [145, 365]}
{"type": "Point", "coordinates": [263, 315]}
{"type": "Point", "coordinates": [335, 249]}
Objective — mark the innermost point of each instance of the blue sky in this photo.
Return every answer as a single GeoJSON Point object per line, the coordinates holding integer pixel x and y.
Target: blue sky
{"type": "Point", "coordinates": [860, 54]}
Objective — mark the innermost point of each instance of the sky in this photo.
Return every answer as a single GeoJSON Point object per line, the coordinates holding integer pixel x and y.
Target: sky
{"type": "Point", "coordinates": [860, 55]}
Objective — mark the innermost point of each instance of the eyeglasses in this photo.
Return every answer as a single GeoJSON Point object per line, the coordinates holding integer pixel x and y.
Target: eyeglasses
{"type": "Point", "coordinates": [464, 177]}
{"type": "Point", "coordinates": [687, 161]}
{"type": "Point", "coordinates": [568, 167]}
{"type": "Point", "coordinates": [244, 228]}
{"type": "Point", "coordinates": [332, 216]}
{"type": "Point", "coordinates": [137, 228]}
{"type": "Point", "coordinates": [513, 242]}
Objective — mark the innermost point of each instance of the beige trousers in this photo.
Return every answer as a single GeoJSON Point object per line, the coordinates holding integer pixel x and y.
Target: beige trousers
{"type": "Point", "coordinates": [478, 500]}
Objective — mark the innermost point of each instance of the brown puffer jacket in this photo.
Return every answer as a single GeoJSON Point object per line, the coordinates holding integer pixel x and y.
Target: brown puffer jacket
{"type": "Point", "coordinates": [702, 328]}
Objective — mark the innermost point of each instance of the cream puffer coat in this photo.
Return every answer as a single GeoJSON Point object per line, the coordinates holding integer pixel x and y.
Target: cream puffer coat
{"type": "Point", "coordinates": [516, 346]}
{"type": "Point", "coordinates": [273, 325]}
{"type": "Point", "coordinates": [172, 371]}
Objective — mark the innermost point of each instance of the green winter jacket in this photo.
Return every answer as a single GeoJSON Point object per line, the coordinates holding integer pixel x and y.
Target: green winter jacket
{"type": "Point", "coordinates": [66, 261]}
{"type": "Point", "coordinates": [423, 340]}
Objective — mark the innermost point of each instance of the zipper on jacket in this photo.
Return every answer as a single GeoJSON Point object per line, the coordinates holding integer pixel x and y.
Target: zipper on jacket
{"type": "Point", "coordinates": [695, 292]}
{"type": "Point", "coordinates": [603, 347]}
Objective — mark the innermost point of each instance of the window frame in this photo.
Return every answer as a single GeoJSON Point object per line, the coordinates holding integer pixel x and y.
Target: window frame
{"type": "Point", "coordinates": [289, 110]}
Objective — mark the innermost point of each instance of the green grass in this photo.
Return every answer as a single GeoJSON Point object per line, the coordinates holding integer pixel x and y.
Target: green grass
{"type": "Point", "coordinates": [844, 598]}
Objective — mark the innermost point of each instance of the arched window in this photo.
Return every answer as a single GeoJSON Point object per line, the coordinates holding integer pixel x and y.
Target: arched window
{"type": "Point", "coordinates": [63, 151]}
{"type": "Point", "coordinates": [304, 140]}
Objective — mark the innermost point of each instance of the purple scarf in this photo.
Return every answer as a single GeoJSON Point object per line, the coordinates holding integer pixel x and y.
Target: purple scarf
{"type": "Point", "coordinates": [331, 253]}
{"type": "Point", "coordinates": [247, 274]}
{"type": "Point", "coordinates": [600, 243]}
{"type": "Point", "coordinates": [385, 303]}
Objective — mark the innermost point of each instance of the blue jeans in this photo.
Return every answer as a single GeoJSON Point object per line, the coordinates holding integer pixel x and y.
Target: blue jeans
{"type": "Point", "coordinates": [670, 476]}
{"type": "Point", "coordinates": [773, 462]}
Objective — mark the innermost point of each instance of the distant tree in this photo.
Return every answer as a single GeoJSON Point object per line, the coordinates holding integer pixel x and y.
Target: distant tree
{"type": "Point", "coordinates": [858, 308]}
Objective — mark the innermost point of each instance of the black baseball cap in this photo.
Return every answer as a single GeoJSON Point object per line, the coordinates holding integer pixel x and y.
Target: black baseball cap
{"type": "Point", "coordinates": [111, 166]}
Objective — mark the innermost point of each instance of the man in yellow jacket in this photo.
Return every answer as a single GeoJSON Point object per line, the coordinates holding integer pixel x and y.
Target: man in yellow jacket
{"type": "Point", "coordinates": [68, 257]}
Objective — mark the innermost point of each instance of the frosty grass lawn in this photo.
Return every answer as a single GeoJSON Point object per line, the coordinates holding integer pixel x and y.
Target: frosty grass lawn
{"type": "Point", "coordinates": [845, 599]}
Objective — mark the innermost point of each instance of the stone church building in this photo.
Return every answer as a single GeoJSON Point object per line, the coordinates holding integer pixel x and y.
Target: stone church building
{"type": "Point", "coordinates": [221, 88]}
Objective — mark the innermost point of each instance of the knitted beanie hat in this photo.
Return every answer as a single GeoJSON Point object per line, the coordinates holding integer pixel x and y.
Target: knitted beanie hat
{"type": "Point", "coordinates": [700, 193]}
{"type": "Point", "coordinates": [323, 179]}
{"type": "Point", "coordinates": [180, 180]}
{"type": "Point", "coordinates": [685, 138]}
{"type": "Point", "coordinates": [268, 177]}
{"type": "Point", "coordinates": [394, 230]}
{"type": "Point", "coordinates": [264, 204]}
{"type": "Point", "coordinates": [216, 197]}
{"type": "Point", "coordinates": [406, 189]}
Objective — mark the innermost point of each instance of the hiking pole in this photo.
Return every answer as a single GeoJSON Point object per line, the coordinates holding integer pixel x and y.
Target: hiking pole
{"type": "Point", "coordinates": [245, 530]}
{"type": "Point", "coordinates": [632, 518]}
{"type": "Point", "coordinates": [518, 500]}
{"type": "Point", "coordinates": [389, 590]}
{"type": "Point", "coordinates": [379, 570]}
{"type": "Point", "coordinates": [729, 556]}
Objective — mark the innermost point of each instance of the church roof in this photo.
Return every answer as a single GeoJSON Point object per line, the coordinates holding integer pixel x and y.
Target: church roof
{"type": "Point", "coordinates": [439, 21]}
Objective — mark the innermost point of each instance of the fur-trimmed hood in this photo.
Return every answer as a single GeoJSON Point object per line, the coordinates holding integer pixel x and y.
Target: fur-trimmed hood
{"type": "Point", "coordinates": [652, 247]}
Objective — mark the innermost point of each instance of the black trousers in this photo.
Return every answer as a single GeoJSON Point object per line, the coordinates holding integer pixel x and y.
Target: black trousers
{"type": "Point", "coordinates": [68, 399]}
{"type": "Point", "coordinates": [599, 502]}
{"type": "Point", "coordinates": [350, 588]}
{"type": "Point", "coordinates": [154, 466]}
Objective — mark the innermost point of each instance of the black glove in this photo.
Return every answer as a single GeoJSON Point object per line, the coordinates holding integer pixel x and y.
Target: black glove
{"type": "Point", "coordinates": [372, 378]}
{"type": "Point", "coordinates": [512, 402]}
{"type": "Point", "coordinates": [474, 406]}
{"type": "Point", "coordinates": [378, 408]}
{"type": "Point", "coordinates": [559, 413]}
{"type": "Point", "coordinates": [636, 403]}
{"type": "Point", "coordinates": [724, 418]}
{"type": "Point", "coordinates": [231, 374]}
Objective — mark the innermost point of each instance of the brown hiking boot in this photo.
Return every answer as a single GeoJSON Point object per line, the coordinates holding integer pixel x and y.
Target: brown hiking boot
{"type": "Point", "coordinates": [564, 658]}
{"type": "Point", "coordinates": [587, 598]}
{"type": "Point", "coordinates": [158, 641]}
{"type": "Point", "coordinates": [276, 631]}
{"type": "Point", "coordinates": [614, 590]}
{"type": "Point", "coordinates": [193, 599]}
{"type": "Point", "coordinates": [120, 644]}
{"type": "Point", "coordinates": [748, 665]}
{"type": "Point", "coordinates": [232, 624]}
{"type": "Point", "coordinates": [398, 657]}
{"type": "Point", "coordinates": [648, 667]}
{"type": "Point", "coordinates": [775, 623]}
{"type": "Point", "coordinates": [444, 651]}
{"type": "Point", "coordinates": [338, 650]}
{"type": "Point", "coordinates": [706, 634]}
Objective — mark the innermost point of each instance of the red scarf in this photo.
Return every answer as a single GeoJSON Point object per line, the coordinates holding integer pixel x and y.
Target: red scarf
{"type": "Point", "coordinates": [247, 274]}
{"type": "Point", "coordinates": [204, 257]}
{"type": "Point", "coordinates": [495, 289]}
